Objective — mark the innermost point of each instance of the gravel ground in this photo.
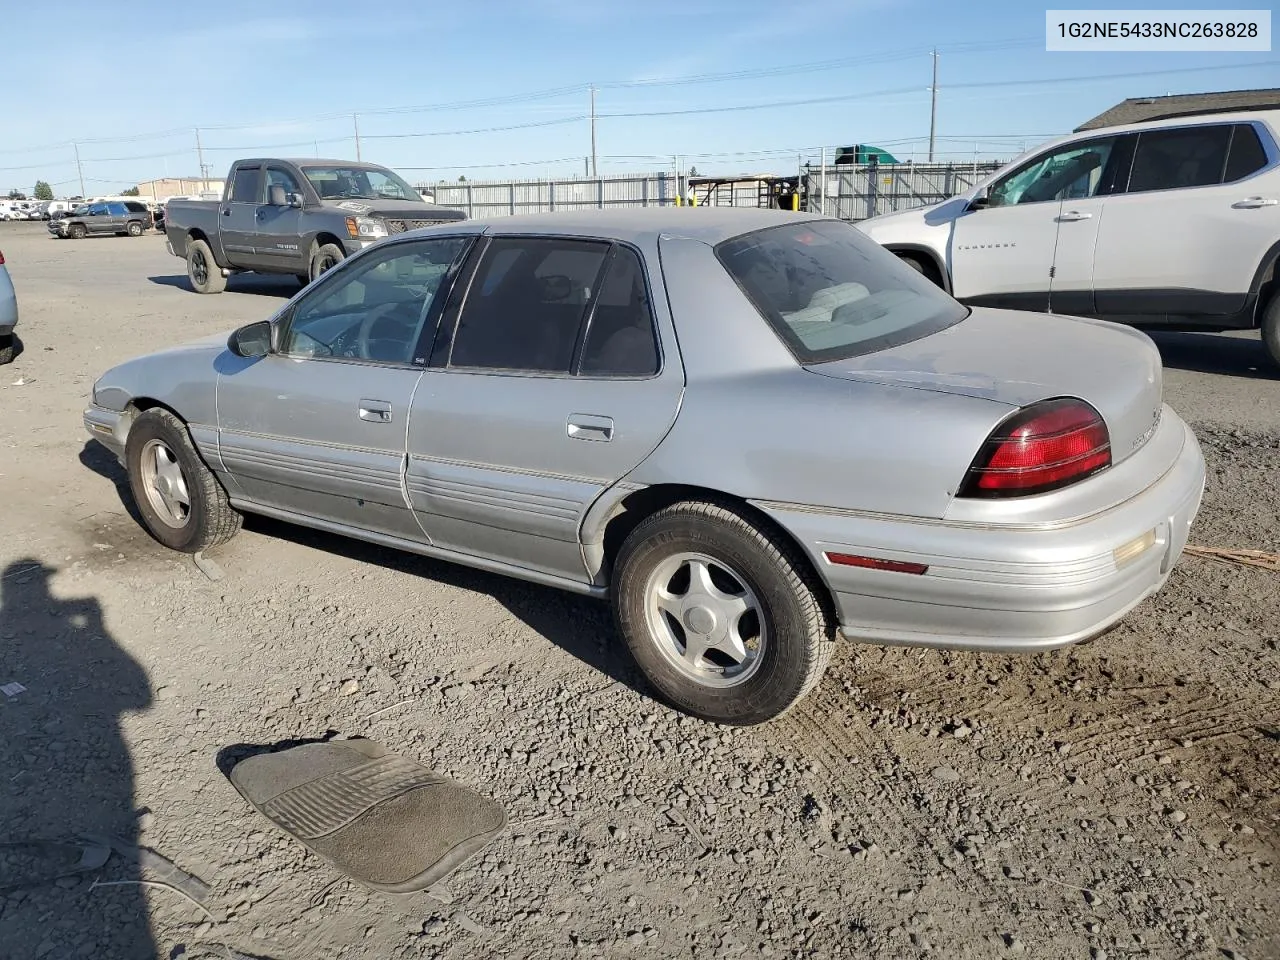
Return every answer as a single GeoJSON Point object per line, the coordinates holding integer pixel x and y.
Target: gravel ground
{"type": "Point", "coordinates": [1117, 799]}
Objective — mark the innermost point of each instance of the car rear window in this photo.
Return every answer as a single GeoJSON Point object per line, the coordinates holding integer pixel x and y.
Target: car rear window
{"type": "Point", "coordinates": [830, 292]}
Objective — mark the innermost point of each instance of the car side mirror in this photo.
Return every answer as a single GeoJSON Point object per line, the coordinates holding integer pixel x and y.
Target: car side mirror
{"type": "Point", "coordinates": [295, 200]}
{"type": "Point", "coordinates": [980, 202]}
{"type": "Point", "coordinates": [253, 340]}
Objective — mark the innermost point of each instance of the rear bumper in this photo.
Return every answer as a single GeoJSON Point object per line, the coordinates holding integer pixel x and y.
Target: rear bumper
{"type": "Point", "coordinates": [8, 311]}
{"type": "Point", "coordinates": [1024, 588]}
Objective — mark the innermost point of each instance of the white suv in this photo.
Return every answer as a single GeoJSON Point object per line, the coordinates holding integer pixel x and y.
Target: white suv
{"type": "Point", "coordinates": [1170, 223]}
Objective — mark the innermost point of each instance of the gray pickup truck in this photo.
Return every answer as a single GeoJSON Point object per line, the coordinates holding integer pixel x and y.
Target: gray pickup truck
{"type": "Point", "coordinates": [296, 217]}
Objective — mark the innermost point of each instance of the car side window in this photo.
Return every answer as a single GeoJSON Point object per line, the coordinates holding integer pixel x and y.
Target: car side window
{"type": "Point", "coordinates": [620, 340]}
{"type": "Point", "coordinates": [527, 303]}
{"type": "Point", "coordinates": [1179, 158]}
{"type": "Point", "coordinates": [1073, 171]}
{"type": "Point", "coordinates": [1246, 155]}
{"type": "Point", "coordinates": [378, 308]}
{"type": "Point", "coordinates": [282, 178]}
{"type": "Point", "coordinates": [244, 188]}
{"type": "Point", "coordinates": [134, 206]}
{"type": "Point", "coordinates": [117, 209]}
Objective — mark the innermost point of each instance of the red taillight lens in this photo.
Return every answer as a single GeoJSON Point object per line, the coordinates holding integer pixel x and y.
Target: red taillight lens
{"type": "Point", "coordinates": [1, 258]}
{"type": "Point", "coordinates": [1044, 447]}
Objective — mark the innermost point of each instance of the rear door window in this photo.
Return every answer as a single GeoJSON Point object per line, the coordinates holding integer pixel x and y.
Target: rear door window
{"type": "Point", "coordinates": [831, 292]}
{"type": "Point", "coordinates": [1246, 155]}
{"type": "Point", "coordinates": [527, 304]}
{"type": "Point", "coordinates": [620, 339]}
{"type": "Point", "coordinates": [1179, 158]}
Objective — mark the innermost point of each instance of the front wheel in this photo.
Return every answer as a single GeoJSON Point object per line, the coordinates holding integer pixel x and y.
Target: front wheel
{"type": "Point", "coordinates": [77, 231]}
{"type": "Point", "coordinates": [325, 258]}
{"type": "Point", "coordinates": [722, 614]}
{"type": "Point", "coordinates": [182, 503]}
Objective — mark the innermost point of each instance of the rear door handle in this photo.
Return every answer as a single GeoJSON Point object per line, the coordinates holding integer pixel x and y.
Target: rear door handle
{"type": "Point", "coordinates": [375, 411]}
{"type": "Point", "coordinates": [226, 211]}
{"type": "Point", "coordinates": [1072, 215]}
{"type": "Point", "coordinates": [586, 426]}
{"type": "Point", "coordinates": [1251, 203]}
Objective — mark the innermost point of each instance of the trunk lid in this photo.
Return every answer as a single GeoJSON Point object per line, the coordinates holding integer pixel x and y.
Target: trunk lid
{"type": "Point", "coordinates": [1018, 358]}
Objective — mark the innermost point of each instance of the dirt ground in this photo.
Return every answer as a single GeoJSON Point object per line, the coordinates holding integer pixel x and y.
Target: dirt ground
{"type": "Point", "coordinates": [1118, 799]}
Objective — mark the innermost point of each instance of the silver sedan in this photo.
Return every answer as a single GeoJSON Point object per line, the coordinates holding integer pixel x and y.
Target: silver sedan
{"type": "Point", "coordinates": [752, 431]}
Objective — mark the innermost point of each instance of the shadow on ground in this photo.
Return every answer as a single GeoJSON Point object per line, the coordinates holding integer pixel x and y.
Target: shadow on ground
{"type": "Point", "coordinates": [579, 625]}
{"type": "Point", "coordinates": [262, 285]}
{"type": "Point", "coordinates": [66, 771]}
{"type": "Point", "coordinates": [1239, 356]}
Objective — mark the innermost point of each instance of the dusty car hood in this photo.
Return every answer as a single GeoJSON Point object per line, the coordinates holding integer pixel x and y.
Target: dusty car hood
{"type": "Point", "coordinates": [1018, 358]}
{"type": "Point", "coordinates": [393, 209]}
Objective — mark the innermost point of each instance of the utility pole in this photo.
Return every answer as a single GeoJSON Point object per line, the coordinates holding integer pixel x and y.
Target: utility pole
{"type": "Point", "coordinates": [933, 103]}
{"type": "Point", "coordinates": [204, 172]}
{"type": "Point", "coordinates": [593, 131]}
{"type": "Point", "coordinates": [355, 119]}
{"type": "Point", "coordinates": [79, 169]}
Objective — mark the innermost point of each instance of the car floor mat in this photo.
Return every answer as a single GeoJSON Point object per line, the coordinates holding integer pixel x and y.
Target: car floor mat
{"type": "Point", "coordinates": [381, 819]}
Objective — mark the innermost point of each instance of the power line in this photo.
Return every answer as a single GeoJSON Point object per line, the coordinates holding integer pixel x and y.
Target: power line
{"type": "Point", "coordinates": [572, 89]}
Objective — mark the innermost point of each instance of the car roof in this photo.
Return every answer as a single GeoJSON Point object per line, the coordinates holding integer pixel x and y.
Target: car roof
{"type": "Point", "coordinates": [1271, 117]}
{"type": "Point", "coordinates": [708, 224]}
{"type": "Point", "coordinates": [315, 162]}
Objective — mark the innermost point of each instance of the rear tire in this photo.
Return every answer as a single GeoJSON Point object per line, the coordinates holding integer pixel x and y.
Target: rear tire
{"type": "Point", "coordinates": [182, 503]}
{"type": "Point", "coordinates": [324, 259]}
{"type": "Point", "coordinates": [1271, 327]}
{"type": "Point", "coordinates": [785, 632]}
{"type": "Point", "coordinates": [923, 267]}
{"type": "Point", "coordinates": [202, 269]}
{"type": "Point", "coordinates": [8, 348]}
{"type": "Point", "coordinates": [135, 228]}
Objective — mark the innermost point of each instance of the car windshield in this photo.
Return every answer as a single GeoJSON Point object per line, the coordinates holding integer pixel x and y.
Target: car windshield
{"type": "Point", "coordinates": [830, 292]}
{"type": "Point", "coordinates": [351, 183]}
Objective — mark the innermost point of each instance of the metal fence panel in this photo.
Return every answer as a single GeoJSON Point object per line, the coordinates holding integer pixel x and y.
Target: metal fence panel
{"type": "Point", "coordinates": [850, 192]}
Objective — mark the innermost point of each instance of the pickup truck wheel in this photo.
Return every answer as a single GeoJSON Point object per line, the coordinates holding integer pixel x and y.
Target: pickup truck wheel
{"type": "Point", "coordinates": [1271, 327]}
{"type": "Point", "coordinates": [76, 231]}
{"type": "Point", "coordinates": [135, 228]}
{"type": "Point", "coordinates": [182, 503]}
{"type": "Point", "coordinates": [202, 269]}
{"type": "Point", "coordinates": [325, 258]}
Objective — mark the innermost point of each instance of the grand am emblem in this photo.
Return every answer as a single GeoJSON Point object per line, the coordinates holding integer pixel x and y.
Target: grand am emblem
{"type": "Point", "coordinates": [1148, 433]}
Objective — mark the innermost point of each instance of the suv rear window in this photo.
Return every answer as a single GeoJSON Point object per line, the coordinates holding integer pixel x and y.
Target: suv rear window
{"type": "Point", "coordinates": [831, 292]}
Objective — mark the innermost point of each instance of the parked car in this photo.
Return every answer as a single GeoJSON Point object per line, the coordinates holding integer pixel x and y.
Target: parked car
{"type": "Point", "coordinates": [1171, 223]}
{"type": "Point", "coordinates": [8, 313]}
{"type": "Point", "coordinates": [131, 218]}
{"type": "Point", "coordinates": [748, 428]}
{"type": "Point", "coordinates": [297, 217]}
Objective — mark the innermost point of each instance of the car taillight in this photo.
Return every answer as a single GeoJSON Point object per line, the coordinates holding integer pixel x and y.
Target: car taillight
{"type": "Point", "coordinates": [1040, 448]}
{"type": "Point", "coordinates": [1, 258]}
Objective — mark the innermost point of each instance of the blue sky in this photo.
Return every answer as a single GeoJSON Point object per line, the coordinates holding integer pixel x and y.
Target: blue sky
{"type": "Point", "coordinates": [131, 81]}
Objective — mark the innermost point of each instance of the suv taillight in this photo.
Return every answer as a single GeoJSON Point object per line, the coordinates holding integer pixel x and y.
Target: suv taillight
{"type": "Point", "coordinates": [1, 258]}
{"type": "Point", "coordinates": [1042, 447]}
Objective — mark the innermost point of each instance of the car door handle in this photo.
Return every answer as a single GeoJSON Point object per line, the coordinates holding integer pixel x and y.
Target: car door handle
{"type": "Point", "coordinates": [1252, 203]}
{"type": "Point", "coordinates": [585, 426]}
{"type": "Point", "coordinates": [226, 211]}
{"type": "Point", "coordinates": [1072, 215]}
{"type": "Point", "coordinates": [375, 411]}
